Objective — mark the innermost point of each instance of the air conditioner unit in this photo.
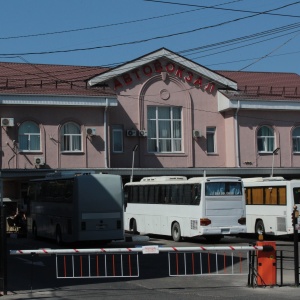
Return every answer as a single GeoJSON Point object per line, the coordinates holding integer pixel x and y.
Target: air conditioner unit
{"type": "Point", "coordinates": [131, 132]}
{"type": "Point", "coordinates": [143, 133]}
{"type": "Point", "coordinates": [7, 122]}
{"type": "Point", "coordinates": [90, 131]}
{"type": "Point", "coordinates": [39, 160]}
{"type": "Point", "coordinates": [196, 133]}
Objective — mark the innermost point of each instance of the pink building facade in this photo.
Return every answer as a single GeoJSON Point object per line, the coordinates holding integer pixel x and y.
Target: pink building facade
{"type": "Point", "coordinates": [227, 119]}
{"type": "Point", "coordinates": [159, 114]}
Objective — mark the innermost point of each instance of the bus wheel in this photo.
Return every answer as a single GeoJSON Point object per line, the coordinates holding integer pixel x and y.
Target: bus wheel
{"type": "Point", "coordinates": [259, 228]}
{"type": "Point", "coordinates": [176, 232]}
{"type": "Point", "coordinates": [58, 237]}
{"type": "Point", "coordinates": [134, 227]}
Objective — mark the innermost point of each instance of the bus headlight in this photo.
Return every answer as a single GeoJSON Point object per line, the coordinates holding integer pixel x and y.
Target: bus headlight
{"type": "Point", "coordinates": [205, 222]}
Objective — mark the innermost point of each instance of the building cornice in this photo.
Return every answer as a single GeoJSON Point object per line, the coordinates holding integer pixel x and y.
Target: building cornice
{"type": "Point", "coordinates": [55, 100]}
{"type": "Point", "coordinates": [224, 104]}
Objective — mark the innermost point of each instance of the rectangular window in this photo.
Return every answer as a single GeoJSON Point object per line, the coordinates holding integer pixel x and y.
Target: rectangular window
{"type": "Point", "coordinates": [296, 144]}
{"type": "Point", "coordinates": [72, 142]}
{"type": "Point", "coordinates": [265, 139]}
{"type": "Point", "coordinates": [266, 195]}
{"type": "Point", "coordinates": [210, 139]}
{"type": "Point", "coordinates": [71, 138]}
{"type": "Point", "coordinates": [296, 192]}
{"type": "Point", "coordinates": [223, 189]}
{"type": "Point", "coordinates": [265, 143]}
{"type": "Point", "coordinates": [117, 140]}
{"type": "Point", "coordinates": [164, 129]}
{"type": "Point", "coordinates": [170, 194]}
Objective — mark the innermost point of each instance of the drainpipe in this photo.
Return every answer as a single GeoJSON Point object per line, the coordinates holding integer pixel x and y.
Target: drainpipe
{"type": "Point", "coordinates": [105, 134]}
{"type": "Point", "coordinates": [237, 140]}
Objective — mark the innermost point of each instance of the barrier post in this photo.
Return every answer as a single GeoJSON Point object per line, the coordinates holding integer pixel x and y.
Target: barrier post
{"type": "Point", "coordinates": [295, 215]}
{"type": "Point", "coordinates": [266, 264]}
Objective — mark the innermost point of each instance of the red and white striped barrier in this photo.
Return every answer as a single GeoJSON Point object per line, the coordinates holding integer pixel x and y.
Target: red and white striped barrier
{"type": "Point", "coordinates": [144, 249]}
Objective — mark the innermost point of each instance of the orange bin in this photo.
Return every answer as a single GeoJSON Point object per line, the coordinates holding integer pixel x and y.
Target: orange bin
{"type": "Point", "coordinates": [266, 265]}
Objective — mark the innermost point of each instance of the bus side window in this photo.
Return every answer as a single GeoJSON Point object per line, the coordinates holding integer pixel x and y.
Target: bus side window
{"type": "Point", "coordinates": [151, 194]}
{"type": "Point", "coordinates": [196, 194]}
{"type": "Point", "coordinates": [168, 195]}
{"type": "Point", "coordinates": [68, 191]}
{"type": "Point", "coordinates": [162, 195]}
{"type": "Point", "coordinates": [157, 194]}
{"type": "Point", "coordinates": [187, 194]}
{"type": "Point", "coordinates": [134, 197]}
{"type": "Point", "coordinates": [125, 197]}
{"type": "Point", "coordinates": [296, 192]}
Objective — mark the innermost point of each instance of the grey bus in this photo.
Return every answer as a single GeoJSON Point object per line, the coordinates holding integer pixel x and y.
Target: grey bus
{"type": "Point", "coordinates": [71, 207]}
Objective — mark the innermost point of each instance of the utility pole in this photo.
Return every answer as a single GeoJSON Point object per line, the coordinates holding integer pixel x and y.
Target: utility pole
{"type": "Point", "coordinates": [133, 153]}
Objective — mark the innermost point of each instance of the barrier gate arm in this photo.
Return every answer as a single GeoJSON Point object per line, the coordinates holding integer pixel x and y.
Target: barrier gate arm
{"type": "Point", "coordinates": [144, 249]}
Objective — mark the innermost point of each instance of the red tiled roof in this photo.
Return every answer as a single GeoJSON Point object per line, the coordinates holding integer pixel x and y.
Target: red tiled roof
{"type": "Point", "coordinates": [265, 85]}
{"type": "Point", "coordinates": [21, 78]}
{"type": "Point", "coordinates": [42, 79]}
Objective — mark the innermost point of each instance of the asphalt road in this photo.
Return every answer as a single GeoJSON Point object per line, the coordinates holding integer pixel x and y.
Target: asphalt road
{"type": "Point", "coordinates": [34, 277]}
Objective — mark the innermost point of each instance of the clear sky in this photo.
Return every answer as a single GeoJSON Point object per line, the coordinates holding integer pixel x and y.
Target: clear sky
{"type": "Point", "coordinates": [249, 35]}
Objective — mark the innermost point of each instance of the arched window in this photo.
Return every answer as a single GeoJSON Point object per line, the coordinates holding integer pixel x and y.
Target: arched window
{"type": "Point", "coordinates": [70, 137]}
{"type": "Point", "coordinates": [296, 139]}
{"type": "Point", "coordinates": [265, 139]}
{"type": "Point", "coordinates": [29, 137]}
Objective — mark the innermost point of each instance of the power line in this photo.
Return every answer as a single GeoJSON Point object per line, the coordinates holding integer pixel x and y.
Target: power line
{"type": "Point", "coordinates": [228, 9]}
{"type": "Point", "coordinates": [265, 56]}
{"type": "Point", "coordinates": [108, 25]}
{"type": "Point", "coordinates": [243, 38]}
{"type": "Point", "coordinates": [248, 59]}
{"type": "Point", "coordinates": [219, 44]}
{"type": "Point", "coordinates": [243, 46]}
{"type": "Point", "coordinates": [213, 46]}
{"type": "Point", "coordinates": [144, 40]}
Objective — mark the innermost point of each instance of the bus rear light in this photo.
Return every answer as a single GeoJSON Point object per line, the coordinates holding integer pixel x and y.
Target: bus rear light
{"type": "Point", "coordinates": [242, 221]}
{"type": "Point", "coordinates": [205, 222]}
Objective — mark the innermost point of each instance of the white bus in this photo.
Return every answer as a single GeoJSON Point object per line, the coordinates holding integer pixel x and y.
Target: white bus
{"type": "Point", "coordinates": [269, 204]}
{"type": "Point", "coordinates": [179, 207]}
{"type": "Point", "coordinates": [76, 207]}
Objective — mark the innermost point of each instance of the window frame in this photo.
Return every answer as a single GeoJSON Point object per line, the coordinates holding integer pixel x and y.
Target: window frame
{"type": "Point", "coordinates": [211, 136]}
{"type": "Point", "coordinates": [175, 133]}
{"type": "Point", "coordinates": [70, 136]}
{"type": "Point", "coordinates": [297, 137]}
{"type": "Point", "coordinates": [121, 132]}
{"type": "Point", "coordinates": [265, 139]}
{"type": "Point", "coordinates": [29, 135]}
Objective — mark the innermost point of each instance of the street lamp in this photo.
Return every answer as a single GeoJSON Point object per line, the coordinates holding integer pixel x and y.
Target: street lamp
{"type": "Point", "coordinates": [133, 152]}
{"type": "Point", "coordinates": [274, 152]}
